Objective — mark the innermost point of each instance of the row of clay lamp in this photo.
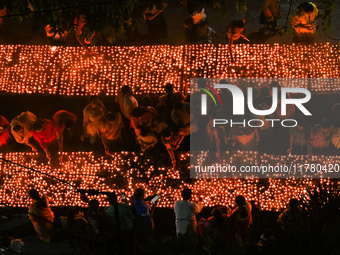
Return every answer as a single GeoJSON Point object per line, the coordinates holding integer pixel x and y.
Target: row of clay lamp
{"type": "Point", "coordinates": [84, 170]}
{"type": "Point", "coordinates": [70, 71]}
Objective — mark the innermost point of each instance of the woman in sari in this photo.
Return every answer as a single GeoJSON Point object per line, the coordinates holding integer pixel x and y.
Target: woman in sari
{"type": "Point", "coordinates": [41, 216]}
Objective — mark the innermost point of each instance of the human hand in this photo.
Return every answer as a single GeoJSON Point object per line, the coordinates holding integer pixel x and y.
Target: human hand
{"type": "Point", "coordinates": [245, 38]}
{"type": "Point", "coordinates": [289, 151]}
{"type": "Point", "coordinates": [173, 162]}
{"type": "Point", "coordinates": [30, 6]}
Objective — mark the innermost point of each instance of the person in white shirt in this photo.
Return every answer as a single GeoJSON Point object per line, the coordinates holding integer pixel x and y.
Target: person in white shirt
{"type": "Point", "coordinates": [127, 102]}
{"type": "Point", "coordinates": [186, 213]}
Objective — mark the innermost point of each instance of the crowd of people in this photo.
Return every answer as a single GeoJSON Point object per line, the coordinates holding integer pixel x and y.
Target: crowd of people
{"type": "Point", "coordinates": [27, 126]}
{"type": "Point", "coordinates": [169, 123]}
{"type": "Point", "coordinates": [94, 230]}
{"type": "Point", "coordinates": [197, 28]}
{"type": "Point", "coordinates": [172, 119]}
{"type": "Point", "coordinates": [97, 230]}
{"type": "Point", "coordinates": [304, 24]}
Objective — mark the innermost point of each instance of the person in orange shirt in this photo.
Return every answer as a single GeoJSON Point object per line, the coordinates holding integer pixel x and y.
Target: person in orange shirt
{"type": "Point", "coordinates": [41, 216]}
{"type": "Point", "coordinates": [304, 23]}
{"type": "Point", "coordinates": [63, 120]}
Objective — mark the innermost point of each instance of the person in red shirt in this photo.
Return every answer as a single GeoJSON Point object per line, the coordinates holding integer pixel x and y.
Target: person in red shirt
{"type": "Point", "coordinates": [44, 132]}
{"type": "Point", "coordinates": [4, 130]}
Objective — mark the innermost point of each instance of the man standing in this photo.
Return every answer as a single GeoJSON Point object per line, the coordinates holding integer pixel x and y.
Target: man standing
{"type": "Point", "coordinates": [186, 213]}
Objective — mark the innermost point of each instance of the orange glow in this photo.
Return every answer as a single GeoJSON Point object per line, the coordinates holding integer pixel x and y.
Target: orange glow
{"type": "Point", "coordinates": [42, 68]}
{"type": "Point", "coordinates": [87, 172]}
